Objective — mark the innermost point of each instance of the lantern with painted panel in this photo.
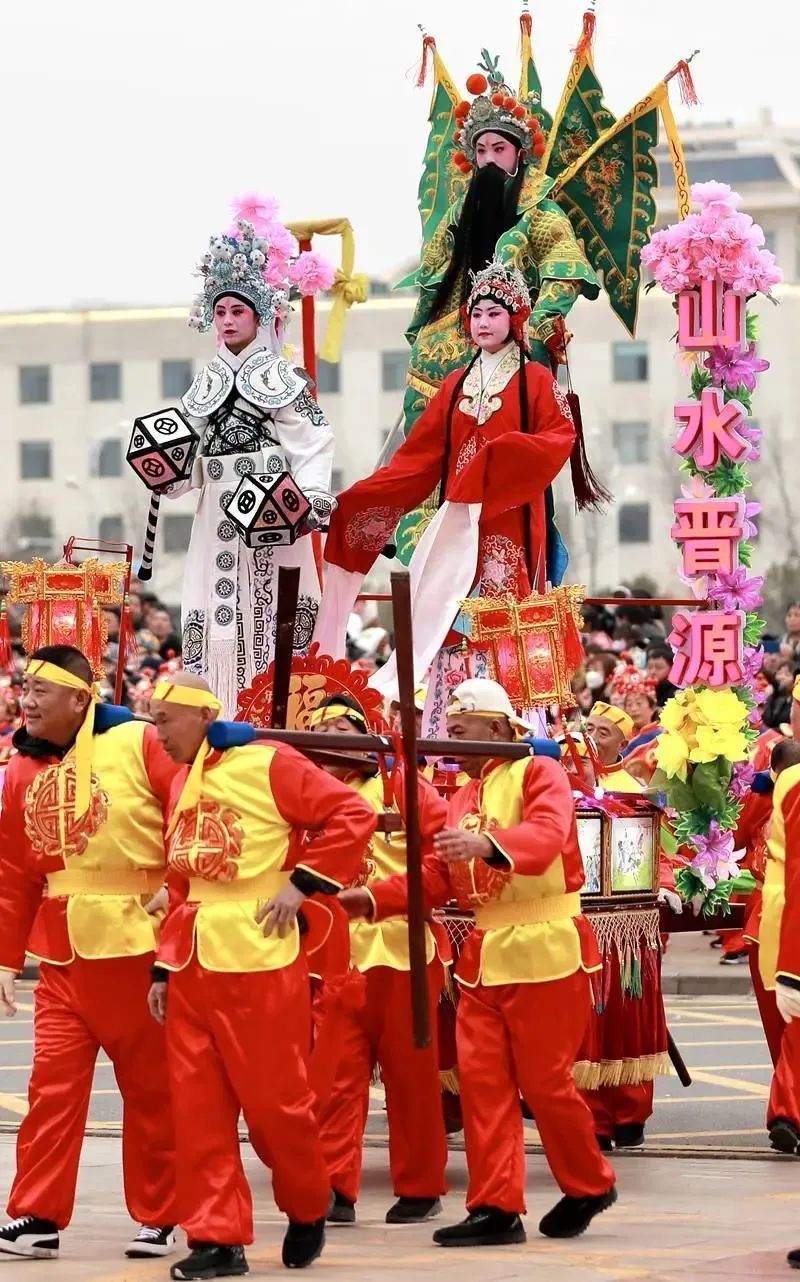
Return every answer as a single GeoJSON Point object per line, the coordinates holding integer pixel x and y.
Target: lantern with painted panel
{"type": "Point", "coordinates": [162, 448]}
{"type": "Point", "coordinates": [268, 511]}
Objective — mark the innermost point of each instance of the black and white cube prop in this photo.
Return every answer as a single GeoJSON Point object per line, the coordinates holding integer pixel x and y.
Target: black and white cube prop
{"type": "Point", "coordinates": [162, 448]}
{"type": "Point", "coordinates": [268, 511]}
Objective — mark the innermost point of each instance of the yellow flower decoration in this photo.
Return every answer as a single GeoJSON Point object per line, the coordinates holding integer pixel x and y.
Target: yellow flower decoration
{"type": "Point", "coordinates": [718, 708]}
{"type": "Point", "coordinates": [672, 755]}
{"type": "Point", "coordinates": [723, 741]}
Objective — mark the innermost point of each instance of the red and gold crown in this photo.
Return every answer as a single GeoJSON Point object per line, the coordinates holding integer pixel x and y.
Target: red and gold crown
{"type": "Point", "coordinates": [494, 109]}
{"type": "Point", "coordinates": [506, 286]}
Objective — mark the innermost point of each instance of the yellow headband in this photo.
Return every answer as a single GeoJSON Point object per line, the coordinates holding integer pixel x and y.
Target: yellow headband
{"type": "Point", "coordinates": [186, 696]}
{"type": "Point", "coordinates": [796, 689]}
{"type": "Point", "coordinates": [616, 716]}
{"type": "Point", "coordinates": [44, 671]}
{"type": "Point", "coordinates": [332, 712]}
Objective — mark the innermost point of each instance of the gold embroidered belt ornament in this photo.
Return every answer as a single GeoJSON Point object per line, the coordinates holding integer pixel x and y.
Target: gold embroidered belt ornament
{"type": "Point", "coordinates": [89, 881]}
{"type": "Point", "coordinates": [187, 697]}
{"type": "Point", "coordinates": [41, 670]}
{"type": "Point", "coordinates": [528, 912]}
{"type": "Point", "coordinates": [264, 886]}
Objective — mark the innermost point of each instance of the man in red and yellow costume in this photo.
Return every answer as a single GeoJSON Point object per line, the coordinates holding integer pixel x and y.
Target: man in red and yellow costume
{"type": "Point", "coordinates": [381, 1031]}
{"type": "Point", "coordinates": [81, 854]}
{"type": "Point", "coordinates": [492, 440]}
{"type": "Point", "coordinates": [779, 932]}
{"type": "Point", "coordinates": [510, 853]}
{"type": "Point", "coordinates": [238, 1000]}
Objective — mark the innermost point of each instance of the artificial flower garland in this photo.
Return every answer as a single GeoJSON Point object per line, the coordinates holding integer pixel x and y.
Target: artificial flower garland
{"type": "Point", "coordinates": [703, 752]}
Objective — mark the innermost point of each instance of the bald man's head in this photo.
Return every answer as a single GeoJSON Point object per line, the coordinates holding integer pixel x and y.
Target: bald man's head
{"type": "Point", "coordinates": [182, 727]}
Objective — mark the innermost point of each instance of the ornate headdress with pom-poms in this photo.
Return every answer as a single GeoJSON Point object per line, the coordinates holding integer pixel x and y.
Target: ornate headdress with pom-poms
{"type": "Point", "coordinates": [258, 260]}
{"type": "Point", "coordinates": [629, 680]}
{"type": "Point", "coordinates": [494, 109]}
{"type": "Point", "coordinates": [506, 286]}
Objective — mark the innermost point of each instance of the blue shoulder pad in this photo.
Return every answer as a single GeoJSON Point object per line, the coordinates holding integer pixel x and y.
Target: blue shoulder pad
{"type": "Point", "coordinates": [230, 734]}
{"type": "Point", "coordinates": [543, 747]}
{"type": "Point", "coordinates": [108, 715]}
{"type": "Point", "coordinates": [762, 783]}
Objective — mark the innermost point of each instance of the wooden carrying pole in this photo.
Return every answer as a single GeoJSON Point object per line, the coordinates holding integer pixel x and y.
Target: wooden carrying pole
{"type": "Point", "coordinates": [417, 949]}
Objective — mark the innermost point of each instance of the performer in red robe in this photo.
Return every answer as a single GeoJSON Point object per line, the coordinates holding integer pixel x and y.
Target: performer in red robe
{"type": "Point", "coordinates": [380, 1031]}
{"type": "Point", "coordinates": [493, 439]}
{"type": "Point", "coordinates": [510, 853]}
{"type": "Point", "coordinates": [81, 854]}
{"type": "Point", "coordinates": [238, 1009]}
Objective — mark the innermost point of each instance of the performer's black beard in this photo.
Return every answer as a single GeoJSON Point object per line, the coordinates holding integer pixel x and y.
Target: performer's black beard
{"type": "Point", "coordinates": [489, 209]}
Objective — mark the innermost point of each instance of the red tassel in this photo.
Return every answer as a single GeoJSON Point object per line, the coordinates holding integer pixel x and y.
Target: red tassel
{"type": "Point", "coordinates": [428, 47]}
{"type": "Point", "coordinates": [689, 96]}
{"type": "Point", "coordinates": [688, 92]}
{"type": "Point", "coordinates": [129, 651]}
{"type": "Point", "coordinates": [525, 23]}
{"type": "Point", "coordinates": [589, 491]}
{"type": "Point", "coordinates": [5, 636]}
{"type": "Point", "coordinates": [584, 46]}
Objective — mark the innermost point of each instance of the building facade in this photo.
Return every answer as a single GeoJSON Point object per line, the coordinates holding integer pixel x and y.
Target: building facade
{"type": "Point", "coordinates": [72, 382]}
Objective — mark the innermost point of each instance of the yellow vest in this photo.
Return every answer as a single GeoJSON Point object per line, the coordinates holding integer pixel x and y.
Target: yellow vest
{"type": "Point", "coordinates": [384, 943]}
{"type": "Point", "coordinates": [773, 894]}
{"type": "Point", "coordinates": [620, 781]}
{"type": "Point", "coordinates": [234, 848]}
{"type": "Point", "coordinates": [118, 845]}
{"type": "Point", "coordinates": [517, 949]}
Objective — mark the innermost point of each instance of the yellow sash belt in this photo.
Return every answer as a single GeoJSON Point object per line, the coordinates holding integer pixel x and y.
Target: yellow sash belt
{"type": "Point", "coordinates": [263, 886]}
{"type": "Point", "coordinates": [528, 912]}
{"type": "Point", "coordinates": [97, 881]}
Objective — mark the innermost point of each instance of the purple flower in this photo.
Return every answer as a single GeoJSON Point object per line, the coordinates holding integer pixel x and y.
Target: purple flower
{"type": "Point", "coordinates": [732, 366]}
{"type": "Point", "coordinates": [752, 433]}
{"type": "Point", "coordinates": [736, 591]}
{"type": "Point", "coordinates": [749, 528]}
{"type": "Point", "coordinates": [752, 663]}
{"type": "Point", "coordinates": [741, 781]}
{"type": "Point", "coordinates": [712, 852]}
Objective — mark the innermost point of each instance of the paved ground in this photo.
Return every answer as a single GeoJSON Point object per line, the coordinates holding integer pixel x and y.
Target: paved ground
{"type": "Point", "coordinates": [676, 1221]}
{"type": "Point", "coordinates": [720, 1038]}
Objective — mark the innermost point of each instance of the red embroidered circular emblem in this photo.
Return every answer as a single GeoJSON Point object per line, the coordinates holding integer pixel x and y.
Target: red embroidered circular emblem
{"type": "Point", "coordinates": [49, 810]}
{"type": "Point", "coordinates": [209, 848]}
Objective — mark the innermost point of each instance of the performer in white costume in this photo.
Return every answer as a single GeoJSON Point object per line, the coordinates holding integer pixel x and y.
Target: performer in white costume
{"type": "Point", "coordinates": [256, 414]}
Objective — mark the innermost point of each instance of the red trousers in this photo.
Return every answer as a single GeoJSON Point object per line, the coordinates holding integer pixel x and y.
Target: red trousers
{"type": "Point", "coordinates": [381, 1032]}
{"type": "Point", "coordinates": [241, 1041]}
{"type": "Point", "coordinates": [524, 1038]}
{"type": "Point", "coordinates": [783, 1041]}
{"type": "Point", "coordinates": [79, 1009]}
{"type": "Point", "coordinates": [614, 1106]}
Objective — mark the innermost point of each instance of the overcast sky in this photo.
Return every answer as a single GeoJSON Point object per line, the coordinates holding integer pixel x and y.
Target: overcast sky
{"type": "Point", "coordinates": [127, 127]}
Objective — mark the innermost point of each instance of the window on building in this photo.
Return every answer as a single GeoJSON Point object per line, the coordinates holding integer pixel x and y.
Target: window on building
{"type": "Point", "coordinates": [562, 377]}
{"type": "Point", "coordinates": [632, 442]}
{"type": "Point", "coordinates": [176, 532]}
{"type": "Point", "coordinates": [35, 529]}
{"type": "Point", "coordinates": [771, 241]}
{"type": "Point", "coordinates": [107, 457]}
{"type": "Point", "coordinates": [337, 480]}
{"type": "Point", "coordinates": [34, 384]}
{"type": "Point", "coordinates": [111, 529]}
{"type": "Point", "coordinates": [394, 371]}
{"type": "Point", "coordinates": [629, 362]}
{"type": "Point", "coordinates": [633, 523]}
{"type": "Point", "coordinates": [176, 377]}
{"type": "Point", "coordinates": [35, 463]}
{"type": "Point", "coordinates": [105, 381]}
{"type": "Point", "coordinates": [726, 169]}
{"type": "Point", "coordinates": [328, 377]}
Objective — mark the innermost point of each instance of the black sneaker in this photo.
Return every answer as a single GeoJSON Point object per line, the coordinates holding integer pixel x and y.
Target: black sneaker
{"type": "Point", "coordinates": [784, 1136]}
{"type": "Point", "coordinates": [28, 1235]}
{"type": "Point", "coordinates": [342, 1210]}
{"type": "Point", "coordinates": [485, 1226]}
{"type": "Point", "coordinates": [604, 1143]}
{"type": "Point", "coordinates": [629, 1135]}
{"type": "Point", "coordinates": [413, 1210]}
{"type": "Point", "coordinates": [150, 1241]}
{"type": "Point", "coordinates": [303, 1243]}
{"type": "Point", "coordinates": [572, 1215]}
{"type": "Point", "coordinates": [793, 1259]}
{"type": "Point", "coordinates": [208, 1260]}
{"type": "Point", "coordinates": [734, 959]}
